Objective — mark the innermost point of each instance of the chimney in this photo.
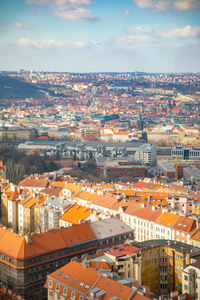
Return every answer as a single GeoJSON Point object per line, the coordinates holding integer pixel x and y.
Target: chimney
{"type": "Point", "coordinates": [12, 187]}
{"type": "Point", "coordinates": [28, 239]}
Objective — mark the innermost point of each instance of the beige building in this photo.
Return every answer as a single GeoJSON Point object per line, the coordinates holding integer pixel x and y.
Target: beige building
{"type": "Point", "coordinates": [126, 261]}
{"type": "Point", "coordinates": [9, 209]}
{"type": "Point", "coordinates": [26, 218]}
{"type": "Point", "coordinates": [191, 280]}
{"type": "Point", "coordinates": [146, 154]}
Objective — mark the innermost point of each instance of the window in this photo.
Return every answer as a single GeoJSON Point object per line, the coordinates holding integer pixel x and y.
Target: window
{"type": "Point", "coordinates": [57, 288]}
{"type": "Point", "coordinates": [50, 284]}
{"type": "Point", "coordinates": [81, 297]}
{"type": "Point", "coordinates": [186, 287]}
{"type": "Point", "coordinates": [178, 285]}
{"type": "Point", "coordinates": [73, 295]}
{"type": "Point", "coordinates": [65, 291]}
{"type": "Point", "coordinates": [82, 284]}
{"type": "Point", "coordinates": [186, 277]}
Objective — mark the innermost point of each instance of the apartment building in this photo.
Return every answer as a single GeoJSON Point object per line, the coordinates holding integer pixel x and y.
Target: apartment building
{"type": "Point", "coordinates": [78, 282]}
{"type": "Point", "coordinates": [47, 214]}
{"type": "Point", "coordinates": [26, 213]}
{"type": "Point", "coordinates": [146, 154]}
{"type": "Point", "coordinates": [191, 280]}
{"type": "Point", "coordinates": [180, 203]}
{"type": "Point", "coordinates": [162, 264]}
{"type": "Point", "coordinates": [164, 225]}
{"type": "Point", "coordinates": [143, 221]}
{"type": "Point", "coordinates": [9, 208]}
{"type": "Point", "coordinates": [126, 261]}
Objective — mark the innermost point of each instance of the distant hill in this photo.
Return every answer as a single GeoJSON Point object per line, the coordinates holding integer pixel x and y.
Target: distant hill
{"type": "Point", "coordinates": [14, 88]}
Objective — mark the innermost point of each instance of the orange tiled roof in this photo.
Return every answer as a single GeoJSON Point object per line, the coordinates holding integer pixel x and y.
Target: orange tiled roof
{"type": "Point", "coordinates": [34, 182]}
{"type": "Point", "coordinates": [74, 188]}
{"type": "Point", "coordinates": [167, 219]}
{"type": "Point", "coordinates": [148, 213]}
{"type": "Point", "coordinates": [15, 245]}
{"type": "Point", "coordinates": [107, 200]}
{"type": "Point", "coordinates": [100, 265]}
{"type": "Point", "coordinates": [132, 208]}
{"type": "Point", "coordinates": [83, 279]}
{"type": "Point", "coordinates": [196, 236]}
{"type": "Point", "coordinates": [76, 213]}
{"type": "Point", "coordinates": [185, 224]}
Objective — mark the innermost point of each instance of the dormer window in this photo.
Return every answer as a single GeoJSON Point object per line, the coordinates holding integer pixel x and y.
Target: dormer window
{"type": "Point", "coordinates": [50, 284]}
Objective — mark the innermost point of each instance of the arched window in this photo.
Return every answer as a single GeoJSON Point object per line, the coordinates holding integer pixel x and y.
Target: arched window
{"type": "Point", "coordinates": [65, 291]}
{"type": "Point", "coordinates": [73, 295]}
{"type": "Point", "coordinates": [57, 288]}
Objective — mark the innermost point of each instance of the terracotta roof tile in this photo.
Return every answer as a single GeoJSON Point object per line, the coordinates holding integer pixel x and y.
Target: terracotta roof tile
{"type": "Point", "coordinates": [185, 224]}
{"type": "Point", "coordinates": [15, 245]}
{"type": "Point", "coordinates": [167, 219]}
{"type": "Point", "coordinates": [149, 213]}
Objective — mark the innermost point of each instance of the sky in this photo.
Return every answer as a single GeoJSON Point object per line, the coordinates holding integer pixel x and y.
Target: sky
{"type": "Point", "coordinates": [100, 35]}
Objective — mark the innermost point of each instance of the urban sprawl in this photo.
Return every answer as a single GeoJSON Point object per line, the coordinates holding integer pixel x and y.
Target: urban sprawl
{"type": "Point", "coordinates": [100, 186]}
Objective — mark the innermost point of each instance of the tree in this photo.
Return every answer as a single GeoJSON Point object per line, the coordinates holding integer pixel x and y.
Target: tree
{"type": "Point", "coordinates": [14, 172]}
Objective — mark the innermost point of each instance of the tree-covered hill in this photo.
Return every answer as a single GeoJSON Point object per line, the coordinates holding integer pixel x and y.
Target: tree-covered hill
{"type": "Point", "coordinates": [14, 88]}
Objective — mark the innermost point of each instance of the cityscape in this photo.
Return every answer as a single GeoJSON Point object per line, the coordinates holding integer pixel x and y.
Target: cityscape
{"type": "Point", "coordinates": [100, 150]}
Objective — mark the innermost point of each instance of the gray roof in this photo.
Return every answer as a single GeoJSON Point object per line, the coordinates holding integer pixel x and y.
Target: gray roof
{"type": "Point", "coordinates": [193, 171]}
{"type": "Point", "coordinates": [178, 246]}
{"type": "Point", "coordinates": [109, 227]}
{"type": "Point", "coordinates": [146, 147]}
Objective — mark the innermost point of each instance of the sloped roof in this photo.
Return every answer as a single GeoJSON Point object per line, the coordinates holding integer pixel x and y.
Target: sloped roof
{"type": "Point", "coordinates": [109, 227]}
{"type": "Point", "coordinates": [148, 213]}
{"type": "Point", "coordinates": [34, 182]}
{"type": "Point", "coordinates": [121, 251]}
{"type": "Point", "coordinates": [85, 279]}
{"type": "Point", "coordinates": [16, 246]}
{"type": "Point", "coordinates": [185, 224]}
{"type": "Point", "coordinates": [76, 213]}
{"type": "Point", "coordinates": [167, 219]}
{"type": "Point", "coordinates": [132, 208]}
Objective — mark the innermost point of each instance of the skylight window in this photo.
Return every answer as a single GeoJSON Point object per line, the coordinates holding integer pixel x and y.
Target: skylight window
{"type": "Point", "coordinates": [66, 276]}
{"type": "Point", "coordinates": [82, 284]}
{"type": "Point", "coordinates": [60, 273]}
{"type": "Point", "coordinates": [87, 286]}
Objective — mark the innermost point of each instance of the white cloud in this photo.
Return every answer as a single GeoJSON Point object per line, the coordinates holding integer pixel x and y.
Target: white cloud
{"type": "Point", "coordinates": [131, 39]}
{"type": "Point", "coordinates": [68, 9]}
{"type": "Point", "coordinates": [79, 13]}
{"type": "Point", "coordinates": [138, 30]}
{"type": "Point", "coordinates": [127, 12]}
{"type": "Point", "coordinates": [146, 35]}
{"type": "Point", "coordinates": [185, 32]}
{"type": "Point", "coordinates": [165, 5]}
{"type": "Point", "coordinates": [26, 42]}
{"type": "Point", "coordinates": [62, 4]}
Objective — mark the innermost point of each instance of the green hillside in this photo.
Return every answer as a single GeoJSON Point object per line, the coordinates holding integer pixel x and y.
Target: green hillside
{"type": "Point", "coordinates": [14, 88]}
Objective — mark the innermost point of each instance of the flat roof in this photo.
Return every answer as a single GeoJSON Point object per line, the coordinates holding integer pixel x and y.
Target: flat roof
{"type": "Point", "coordinates": [178, 246]}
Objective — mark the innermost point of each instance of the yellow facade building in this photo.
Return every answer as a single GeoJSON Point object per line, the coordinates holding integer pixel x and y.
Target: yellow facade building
{"type": "Point", "coordinates": [162, 264]}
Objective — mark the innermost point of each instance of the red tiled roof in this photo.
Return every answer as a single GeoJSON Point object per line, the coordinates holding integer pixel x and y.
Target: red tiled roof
{"type": "Point", "coordinates": [148, 213]}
